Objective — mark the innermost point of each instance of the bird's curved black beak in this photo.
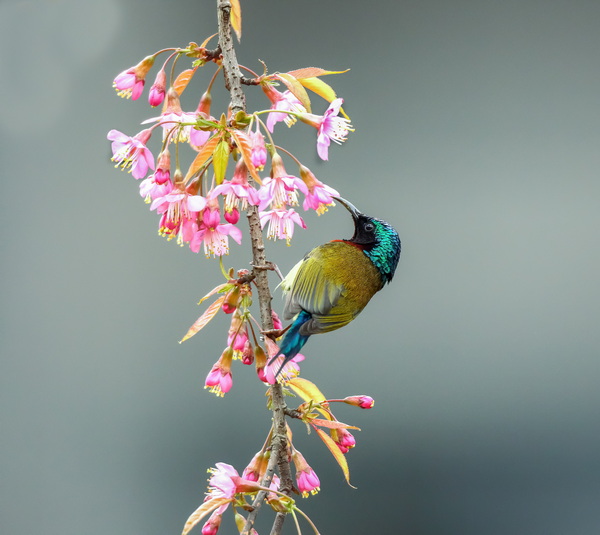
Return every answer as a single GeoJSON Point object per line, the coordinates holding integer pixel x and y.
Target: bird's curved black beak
{"type": "Point", "coordinates": [349, 206]}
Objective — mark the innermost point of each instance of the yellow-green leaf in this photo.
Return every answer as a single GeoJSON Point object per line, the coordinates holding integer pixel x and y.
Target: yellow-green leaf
{"type": "Point", "coordinates": [243, 143]}
{"type": "Point", "coordinates": [183, 79]}
{"type": "Point", "coordinates": [295, 88]}
{"type": "Point", "coordinates": [202, 511]}
{"type": "Point", "coordinates": [311, 72]}
{"type": "Point", "coordinates": [337, 454]}
{"type": "Point", "coordinates": [306, 389]}
{"type": "Point", "coordinates": [220, 159]}
{"type": "Point", "coordinates": [205, 42]}
{"type": "Point", "coordinates": [201, 322]}
{"type": "Point", "coordinates": [236, 18]}
{"type": "Point", "coordinates": [321, 88]}
{"type": "Point", "coordinates": [202, 157]}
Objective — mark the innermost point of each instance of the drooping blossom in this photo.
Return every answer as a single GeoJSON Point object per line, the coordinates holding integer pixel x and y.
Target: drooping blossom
{"type": "Point", "coordinates": [281, 103]}
{"type": "Point", "coordinates": [199, 137]}
{"type": "Point", "coordinates": [257, 467]}
{"type": "Point", "coordinates": [237, 337]}
{"type": "Point", "coordinates": [214, 234]}
{"type": "Point", "coordinates": [281, 223]}
{"type": "Point", "coordinates": [329, 127]}
{"type": "Point", "coordinates": [179, 210]}
{"type": "Point", "coordinates": [176, 123]}
{"type": "Point", "coordinates": [212, 525]}
{"type": "Point", "coordinates": [130, 83]}
{"type": "Point", "coordinates": [280, 189]}
{"type": "Point", "coordinates": [319, 195]}
{"type": "Point", "coordinates": [259, 150]}
{"type": "Point", "coordinates": [290, 370]}
{"type": "Point", "coordinates": [158, 184]}
{"type": "Point", "coordinates": [306, 478]}
{"type": "Point", "coordinates": [219, 380]}
{"type": "Point", "coordinates": [131, 152]}
{"type": "Point", "coordinates": [343, 438]}
{"type": "Point", "coordinates": [157, 91]}
{"type": "Point", "coordinates": [237, 191]}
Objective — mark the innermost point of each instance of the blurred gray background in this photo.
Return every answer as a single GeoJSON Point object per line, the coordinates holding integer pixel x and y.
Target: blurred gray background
{"type": "Point", "coordinates": [477, 136]}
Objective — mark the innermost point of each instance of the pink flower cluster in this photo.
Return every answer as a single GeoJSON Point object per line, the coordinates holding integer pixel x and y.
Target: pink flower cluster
{"type": "Point", "coordinates": [203, 211]}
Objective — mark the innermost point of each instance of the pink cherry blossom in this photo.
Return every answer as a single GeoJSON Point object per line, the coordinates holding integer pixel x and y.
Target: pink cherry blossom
{"type": "Point", "coordinates": [130, 83]}
{"type": "Point", "coordinates": [319, 195]}
{"type": "Point", "coordinates": [268, 371]}
{"type": "Point", "coordinates": [259, 150]}
{"type": "Point", "coordinates": [344, 439]}
{"type": "Point", "coordinates": [219, 380]}
{"type": "Point", "coordinates": [281, 223]}
{"type": "Point", "coordinates": [306, 478]}
{"type": "Point", "coordinates": [131, 152]}
{"type": "Point", "coordinates": [214, 234]}
{"type": "Point", "coordinates": [159, 184]}
{"type": "Point", "coordinates": [281, 103]}
{"type": "Point", "coordinates": [329, 126]}
{"type": "Point", "coordinates": [236, 191]}
{"type": "Point", "coordinates": [280, 188]}
{"type": "Point", "coordinates": [179, 211]}
{"type": "Point", "coordinates": [176, 123]}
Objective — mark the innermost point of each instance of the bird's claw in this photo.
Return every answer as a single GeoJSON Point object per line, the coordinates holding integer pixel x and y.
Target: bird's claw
{"type": "Point", "coordinates": [273, 334]}
{"type": "Point", "coordinates": [269, 266]}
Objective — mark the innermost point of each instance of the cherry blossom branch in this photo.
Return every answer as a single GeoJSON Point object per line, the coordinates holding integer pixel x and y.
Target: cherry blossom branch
{"type": "Point", "coordinates": [233, 83]}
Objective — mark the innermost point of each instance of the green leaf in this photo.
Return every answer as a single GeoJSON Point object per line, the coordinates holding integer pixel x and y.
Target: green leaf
{"type": "Point", "coordinates": [220, 160]}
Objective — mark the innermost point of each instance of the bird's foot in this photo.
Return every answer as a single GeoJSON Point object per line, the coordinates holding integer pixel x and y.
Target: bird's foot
{"type": "Point", "coordinates": [270, 266]}
{"type": "Point", "coordinates": [273, 334]}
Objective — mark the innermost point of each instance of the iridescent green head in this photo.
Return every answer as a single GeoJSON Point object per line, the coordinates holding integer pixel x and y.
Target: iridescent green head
{"type": "Point", "coordinates": [378, 240]}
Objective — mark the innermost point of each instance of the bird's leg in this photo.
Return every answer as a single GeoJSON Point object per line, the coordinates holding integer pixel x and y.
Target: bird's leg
{"type": "Point", "coordinates": [269, 266]}
{"type": "Point", "coordinates": [273, 334]}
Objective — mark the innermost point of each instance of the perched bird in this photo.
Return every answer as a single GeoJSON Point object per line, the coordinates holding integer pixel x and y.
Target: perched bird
{"type": "Point", "coordinates": [330, 286]}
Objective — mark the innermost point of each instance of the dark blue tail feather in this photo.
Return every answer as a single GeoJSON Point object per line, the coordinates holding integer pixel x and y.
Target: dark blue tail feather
{"type": "Point", "coordinates": [293, 341]}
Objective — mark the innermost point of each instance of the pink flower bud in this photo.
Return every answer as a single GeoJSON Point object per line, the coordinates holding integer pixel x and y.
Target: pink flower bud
{"type": "Point", "coordinates": [157, 91]}
{"type": "Point", "coordinates": [232, 216]}
{"type": "Point", "coordinates": [364, 402]}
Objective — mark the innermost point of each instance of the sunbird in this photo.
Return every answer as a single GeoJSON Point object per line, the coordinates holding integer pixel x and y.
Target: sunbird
{"type": "Point", "coordinates": [331, 285]}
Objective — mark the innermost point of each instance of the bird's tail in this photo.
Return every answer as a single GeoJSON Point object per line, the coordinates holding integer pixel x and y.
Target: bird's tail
{"type": "Point", "coordinates": [293, 341]}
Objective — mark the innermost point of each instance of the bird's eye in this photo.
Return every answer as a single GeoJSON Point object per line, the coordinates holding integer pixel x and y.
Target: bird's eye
{"type": "Point", "coordinates": [369, 227]}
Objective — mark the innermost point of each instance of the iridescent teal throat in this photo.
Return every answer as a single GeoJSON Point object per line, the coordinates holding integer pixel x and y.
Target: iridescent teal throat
{"type": "Point", "coordinates": [386, 251]}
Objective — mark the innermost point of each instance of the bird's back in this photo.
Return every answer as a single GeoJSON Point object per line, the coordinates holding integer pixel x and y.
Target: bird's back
{"type": "Point", "coordinates": [334, 282]}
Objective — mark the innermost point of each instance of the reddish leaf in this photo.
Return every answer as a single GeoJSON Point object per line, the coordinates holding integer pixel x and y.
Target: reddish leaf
{"type": "Point", "coordinates": [332, 425]}
{"type": "Point", "coordinates": [201, 322]}
{"type": "Point", "coordinates": [202, 511]}
{"type": "Point", "coordinates": [337, 454]}
{"type": "Point", "coordinates": [202, 157]}
{"type": "Point", "coordinates": [311, 72]}
{"type": "Point", "coordinates": [213, 292]}
{"type": "Point", "coordinates": [183, 80]}
{"type": "Point", "coordinates": [243, 143]}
